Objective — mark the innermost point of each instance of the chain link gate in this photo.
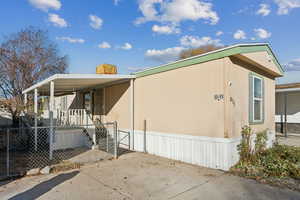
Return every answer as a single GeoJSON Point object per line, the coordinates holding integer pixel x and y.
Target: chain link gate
{"type": "Point", "coordinates": [107, 138]}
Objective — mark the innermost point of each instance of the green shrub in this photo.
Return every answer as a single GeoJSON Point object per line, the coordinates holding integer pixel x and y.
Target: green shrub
{"type": "Point", "coordinates": [280, 161]}
{"type": "Point", "coordinates": [261, 142]}
{"type": "Point", "coordinates": [244, 148]}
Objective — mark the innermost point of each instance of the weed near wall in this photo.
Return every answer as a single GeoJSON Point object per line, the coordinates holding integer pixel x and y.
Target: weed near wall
{"type": "Point", "coordinates": [279, 165]}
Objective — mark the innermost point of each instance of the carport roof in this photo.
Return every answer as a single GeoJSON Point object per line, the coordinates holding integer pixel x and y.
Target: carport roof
{"type": "Point", "coordinates": [66, 83]}
{"type": "Point", "coordinates": [290, 82]}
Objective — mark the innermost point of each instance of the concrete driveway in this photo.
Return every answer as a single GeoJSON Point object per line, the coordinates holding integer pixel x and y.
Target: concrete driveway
{"type": "Point", "coordinates": [141, 176]}
{"type": "Point", "coordinates": [291, 140]}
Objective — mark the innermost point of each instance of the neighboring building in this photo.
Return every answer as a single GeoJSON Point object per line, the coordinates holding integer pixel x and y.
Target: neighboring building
{"type": "Point", "coordinates": [5, 115]}
{"type": "Point", "coordinates": [288, 103]}
{"type": "Point", "coordinates": [190, 110]}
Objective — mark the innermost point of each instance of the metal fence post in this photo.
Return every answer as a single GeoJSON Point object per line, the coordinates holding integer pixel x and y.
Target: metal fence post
{"type": "Point", "coordinates": [7, 152]}
{"type": "Point", "coordinates": [145, 141]}
{"type": "Point", "coordinates": [35, 131]}
{"type": "Point", "coordinates": [50, 142]}
{"type": "Point", "coordinates": [129, 141]}
{"type": "Point", "coordinates": [115, 140]}
{"type": "Point", "coordinates": [51, 132]}
{"type": "Point", "coordinates": [35, 118]}
{"type": "Point", "coordinates": [107, 133]}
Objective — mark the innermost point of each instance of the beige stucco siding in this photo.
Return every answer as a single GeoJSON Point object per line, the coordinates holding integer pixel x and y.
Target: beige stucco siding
{"type": "Point", "coordinates": [117, 104]}
{"type": "Point", "coordinates": [238, 115]}
{"type": "Point", "coordinates": [182, 101]}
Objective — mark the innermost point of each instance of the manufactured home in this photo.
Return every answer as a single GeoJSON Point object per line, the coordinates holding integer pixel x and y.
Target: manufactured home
{"type": "Point", "coordinates": [190, 110]}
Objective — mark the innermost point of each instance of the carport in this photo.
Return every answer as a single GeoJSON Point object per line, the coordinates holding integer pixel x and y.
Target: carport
{"type": "Point", "coordinates": [287, 103]}
{"type": "Point", "coordinates": [63, 84]}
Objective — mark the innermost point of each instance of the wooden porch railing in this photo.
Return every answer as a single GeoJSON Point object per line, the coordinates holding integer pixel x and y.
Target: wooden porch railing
{"type": "Point", "coordinates": [74, 117]}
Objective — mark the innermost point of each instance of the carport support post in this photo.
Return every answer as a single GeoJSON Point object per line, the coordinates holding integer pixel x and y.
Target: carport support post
{"type": "Point", "coordinates": [285, 114]}
{"type": "Point", "coordinates": [51, 108]}
{"type": "Point", "coordinates": [131, 114]}
{"type": "Point", "coordinates": [116, 140]}
{"type": "Point", "coordinates": [35, 117]}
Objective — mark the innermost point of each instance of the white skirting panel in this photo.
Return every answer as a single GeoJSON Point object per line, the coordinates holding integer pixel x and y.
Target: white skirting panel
{"type": "Point", "coordinates": [217, 153]}
{"type": "Point", "coordinates": [65, 139]}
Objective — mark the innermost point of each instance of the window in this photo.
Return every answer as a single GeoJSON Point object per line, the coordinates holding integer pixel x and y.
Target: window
{"type": "Point", "coordinates": [87, 101]}
{"type": "Point", "coordinates": [256, 99]}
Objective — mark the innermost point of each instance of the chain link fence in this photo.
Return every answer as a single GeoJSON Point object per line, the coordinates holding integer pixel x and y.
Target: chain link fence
{"type": "Point", "coordinates": [22, 149]}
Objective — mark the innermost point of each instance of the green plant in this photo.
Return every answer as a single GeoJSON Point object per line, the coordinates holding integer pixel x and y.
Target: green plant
{"type": "Point", "coordinates": [261, 142]}
{"type": "Point", "coordinates": [280, 162]}
{"type": "Point", "coordinates": [244, 148]}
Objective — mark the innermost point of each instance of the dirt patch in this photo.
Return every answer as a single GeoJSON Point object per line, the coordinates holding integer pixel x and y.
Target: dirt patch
{"type": "Point", "coordinates": [290, 183]}
{"type": "Point", "coordinates": [65, 166]}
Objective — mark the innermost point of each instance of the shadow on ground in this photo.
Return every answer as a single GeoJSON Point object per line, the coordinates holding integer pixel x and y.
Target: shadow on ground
{"type": "Point", "coordinates": [44, 187]}
{"type": "Point", "coordinates": [4, 182]}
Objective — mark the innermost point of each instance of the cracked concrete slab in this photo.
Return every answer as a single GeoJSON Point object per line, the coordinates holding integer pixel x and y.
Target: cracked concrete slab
{"type": "Point", "coordinates": [141, 176]}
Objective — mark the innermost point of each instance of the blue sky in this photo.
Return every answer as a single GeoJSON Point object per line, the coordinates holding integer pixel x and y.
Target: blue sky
{"type": "Point", "coordinates": [134, 34]}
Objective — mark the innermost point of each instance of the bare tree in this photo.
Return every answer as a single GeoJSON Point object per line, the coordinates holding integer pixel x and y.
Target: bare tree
{"type": "Point", "coordinates": [26, 58]}
{"type": "Point", "coordinates": [198, 51]}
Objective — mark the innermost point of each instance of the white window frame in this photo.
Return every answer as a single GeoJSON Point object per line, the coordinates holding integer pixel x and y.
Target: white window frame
{"type": "Point", "coordinates": [257, 99]}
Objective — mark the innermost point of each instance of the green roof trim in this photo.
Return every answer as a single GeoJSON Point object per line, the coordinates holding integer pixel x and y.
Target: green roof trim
{"type": "Point", "coordinates": [229, 51]}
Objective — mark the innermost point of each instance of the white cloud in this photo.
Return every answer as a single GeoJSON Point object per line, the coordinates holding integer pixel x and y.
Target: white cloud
{"type": "Point", "coordinates": [262, 33]}
{"type": "Point", "coordinates": [264, 10]}
{"type": "Point", "coordinates": [126, 46]}
{"type": "Point", "coordinates": [219, 33]}
{"type": "Point", "coordinates": [293, 65]}
{"type": "Point", "coordinates": [45, 5]}
{"type": "Point", "coordinates": [194, 41]}
{"type": "Point", "coordinates": [104, 45]}
{"type": "Point", "coordinates": [165, 29]}
{"type": "Point", "coordinates": [57, 20]}
{"type": "Point", "coordinates": [239, 35]}
{"type": "Point", "coordinates": [71, 40]}
{"type": "Point", "coordinates": [176, 11]}
{"type": "Point", "coordinates": [136, 69]}
{"type": "Point", "coordinates": [165, 55]}
{"type": "Point", "coordinates": [95, 21]}
{"type": "Point", "coordinates": [285, 6]}
{"type": "Point", "coordinates": [244, 10]}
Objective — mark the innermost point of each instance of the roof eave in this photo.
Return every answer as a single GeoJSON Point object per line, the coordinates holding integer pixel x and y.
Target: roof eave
{"type": "Point", "coordinates": [217, 54]}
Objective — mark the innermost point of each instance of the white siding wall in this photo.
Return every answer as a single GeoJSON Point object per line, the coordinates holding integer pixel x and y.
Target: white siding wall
{"type": "Point", "coordinates": [73, 138]}
{"type": "Point", "coordinates": [217, 153]}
